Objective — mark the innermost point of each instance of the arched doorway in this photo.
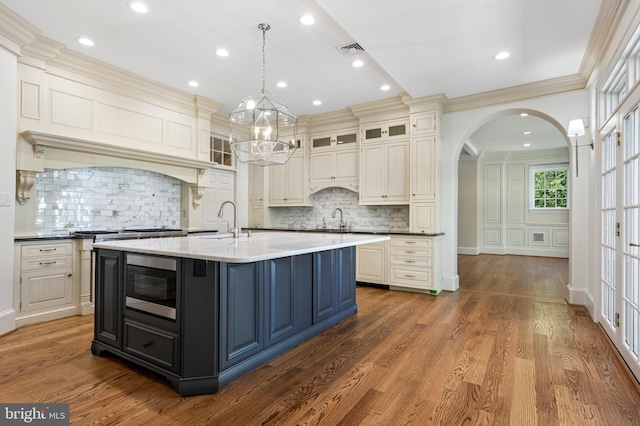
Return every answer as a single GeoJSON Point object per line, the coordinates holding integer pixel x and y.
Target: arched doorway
{"type": "Point", "coordinates": [514, 177]}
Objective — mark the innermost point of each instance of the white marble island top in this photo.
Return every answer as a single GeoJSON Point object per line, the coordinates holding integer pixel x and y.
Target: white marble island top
{"type": "Point", "coordinates": [224, 248]}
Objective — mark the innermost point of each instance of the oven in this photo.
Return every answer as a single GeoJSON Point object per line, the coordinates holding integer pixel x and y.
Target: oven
{"type": "Point", "coordinates": [151, 284]}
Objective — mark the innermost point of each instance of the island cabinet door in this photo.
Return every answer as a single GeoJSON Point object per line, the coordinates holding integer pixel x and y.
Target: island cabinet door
{"type": "Point", "coordinates": [346, 277]}
{"type": "Point", "coordinates": [109, 297]}
{"type": "Point", "coordinates": [289, 296]}
{"type": "Point", "coordinates": [241, 313]}
{"type": "Point", "coordinates": [324, 289]}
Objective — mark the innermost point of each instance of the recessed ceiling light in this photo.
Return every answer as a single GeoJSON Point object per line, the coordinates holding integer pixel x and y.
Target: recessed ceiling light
{"type": "Point", "coordinates": [526, 144]}
{"type": "Point", "coordinates": [138, 6]}
{"type": "Point", "coordinates": [524, 114]}
{"type": "Point", "coordinates": [526, 132]}
{"type": "Point", "coordinates": [357, 63]}
{"type": "Point", "coordinates": [317, 102]}
{"type": "Point", "coordinates": [281, 84]}
{"type": "Point", "coordinates": [222, 52]}
{"type": "Point", "coordinates": [385, 87]}
{"type": "Point", "coordinates": [85, 41]}
{"type": "Point", "coordinates": [501, 55]}
{"type": "Point", "coordinates": [307, 20]}
{"type": "Point", "coordinates": [193, 83]}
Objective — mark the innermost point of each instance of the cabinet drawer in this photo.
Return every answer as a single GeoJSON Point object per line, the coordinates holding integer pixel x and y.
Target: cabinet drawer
{"type": "Point", "coordinates": [411, 251]}
{"type": "Point", "coordinates": [153, 345]}
{"type": "Point", "coordinates": [48, 262]}
{"type": "Point", "coordinates": [411, 242]}
{"type": "Point", "coordinates": [419, 278]}
{"type": "Point", "coordinates": [424, 262]}
{"type": "Point", "coordinates": [45, 250]}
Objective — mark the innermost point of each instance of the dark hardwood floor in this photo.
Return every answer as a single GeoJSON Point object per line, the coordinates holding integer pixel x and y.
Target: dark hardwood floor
{"type": "Point", "coordinates": [504, 350]}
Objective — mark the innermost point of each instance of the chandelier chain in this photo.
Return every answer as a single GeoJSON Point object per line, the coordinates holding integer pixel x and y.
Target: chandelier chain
{"type": "Point", "coordinates": [264, 28]}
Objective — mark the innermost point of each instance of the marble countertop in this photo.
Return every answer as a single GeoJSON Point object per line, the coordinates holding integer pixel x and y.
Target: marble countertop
{"type": "Point", "coordinates": [245, 249]}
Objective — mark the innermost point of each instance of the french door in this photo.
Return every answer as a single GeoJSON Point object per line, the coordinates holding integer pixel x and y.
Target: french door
{"type": "Point", "coordinates": [620, 239]}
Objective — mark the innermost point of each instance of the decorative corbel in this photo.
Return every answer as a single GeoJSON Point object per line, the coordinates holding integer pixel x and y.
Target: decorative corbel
{"type": "Point", "coordinates": [38, 151]}
{"type": "Point", "coordinates": [197, 192]}
{"type": "Point", "coordinates": [25, 179]}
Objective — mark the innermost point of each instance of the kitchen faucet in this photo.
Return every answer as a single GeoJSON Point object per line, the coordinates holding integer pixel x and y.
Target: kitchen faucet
{"type": "Point", "coordinates": [333, 215]}
{"type": "Point", "coordinates": [235, 230]}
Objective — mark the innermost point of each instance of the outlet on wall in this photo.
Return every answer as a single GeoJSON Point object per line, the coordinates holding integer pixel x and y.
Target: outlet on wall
{"type": "Point", "coordinates": [4, 199]}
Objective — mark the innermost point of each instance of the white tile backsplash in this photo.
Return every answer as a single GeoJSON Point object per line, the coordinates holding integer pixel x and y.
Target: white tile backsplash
{"type": "Point", "coordinates": [106, 198]}
{"type": "Point", "coordinates": [373, 218]}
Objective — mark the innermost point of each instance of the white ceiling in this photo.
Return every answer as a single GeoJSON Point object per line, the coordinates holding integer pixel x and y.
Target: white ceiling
{"type": "Point", "coordinates": [421, 47]}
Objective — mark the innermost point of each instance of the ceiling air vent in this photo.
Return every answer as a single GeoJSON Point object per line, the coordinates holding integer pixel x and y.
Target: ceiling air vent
{"type": "Point", "coordinates": [350, 49]}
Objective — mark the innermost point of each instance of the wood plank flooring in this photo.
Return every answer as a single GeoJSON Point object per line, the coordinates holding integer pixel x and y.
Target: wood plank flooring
{"type": "Point", "coordinates": [504, 350]}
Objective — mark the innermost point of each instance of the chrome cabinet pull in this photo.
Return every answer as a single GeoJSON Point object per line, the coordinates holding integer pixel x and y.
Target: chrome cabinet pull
{"type": "Point", "coordinates": [48, 263]}
{"type": "Point", "coordinates": [49, 249]}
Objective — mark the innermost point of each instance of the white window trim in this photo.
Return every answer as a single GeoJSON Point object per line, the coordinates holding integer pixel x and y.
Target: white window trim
{"type": "Point", "coordinates": [544, 168]}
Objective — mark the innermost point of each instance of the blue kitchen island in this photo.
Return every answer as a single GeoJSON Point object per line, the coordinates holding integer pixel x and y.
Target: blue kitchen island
{"type": "Point", "coordinates": [205, 310]}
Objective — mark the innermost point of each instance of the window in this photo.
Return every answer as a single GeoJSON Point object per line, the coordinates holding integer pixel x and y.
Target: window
{"type": "Point", "coordinates": [549, 187]}
{"type": "Point", "coordinates": [221, 151]}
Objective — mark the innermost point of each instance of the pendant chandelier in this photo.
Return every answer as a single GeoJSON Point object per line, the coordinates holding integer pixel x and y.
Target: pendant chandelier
{"type": "Point", "coordinates": [262, 129]}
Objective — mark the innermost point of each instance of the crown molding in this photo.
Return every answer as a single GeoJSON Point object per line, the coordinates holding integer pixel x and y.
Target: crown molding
{"type": "Point", "coordinates": [516, 93]}
{"type": "Point", "coordinates": [607, 21]}
{"type": "Point", "coordinates": [425, 103]}
{"type": "Point", "coordinates": [205, 107]}
{"type": "Point", "coordinates": [330, 121]}
{"type": "Point", "coordinates": [385, 109]}
{"type": "Point", "coordinates": [15, 32]}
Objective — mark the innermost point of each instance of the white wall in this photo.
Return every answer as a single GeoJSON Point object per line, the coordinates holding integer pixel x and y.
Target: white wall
{"type": "Point", "coordinates": [557, 109]}
{"type": "Point", "coordinates": [468, 207]}
{"type": "Point", "coordinates": [8, 102]}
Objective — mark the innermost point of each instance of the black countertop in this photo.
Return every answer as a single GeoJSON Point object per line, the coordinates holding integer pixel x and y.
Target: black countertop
{"type": "Point", "coordinates": [90, 235]}
{"type": "Point", "coordinates": [349, 231]}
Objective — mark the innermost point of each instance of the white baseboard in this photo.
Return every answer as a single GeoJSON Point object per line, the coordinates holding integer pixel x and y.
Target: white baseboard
{"type": "Point", "coordinates": [468, 250]}
{"type": "Point", "coordinates": [451, 283]}
{"type": "Point", "coordinates": [7, 321]}
{"type": "Point", "coordinates": [581, 296]}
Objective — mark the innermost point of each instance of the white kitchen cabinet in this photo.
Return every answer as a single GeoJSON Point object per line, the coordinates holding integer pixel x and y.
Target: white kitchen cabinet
{"type": "Point", "coordinates": [423, 217]}
{"type": "Point", "coordinates": [413, 263]}
{"type": "Point", "coordinates": [45, 288]}
{"type": "Point", "coordinates": [423, 123]}
{"type": "Point", "coordinates": [341, 139]}
{"type": "Point", "coordinates": [384, 173]}
{"type": "Point", "coordinates": [371, 263]}
{"type": "Point", "coordinates": [256, 184]}
{"type": "Point", "coordinates": [256, 216]}
{"type": "Point", "coordinates": [287, 183]}
{"type": "Point", "coordinates": [256, 196]}
{"type": "Point", "coordinates": [334, 168]}
{"type": "Point", "coordinates": [423, 169]}
{"type": "Point", "coordinates": [385, 131]}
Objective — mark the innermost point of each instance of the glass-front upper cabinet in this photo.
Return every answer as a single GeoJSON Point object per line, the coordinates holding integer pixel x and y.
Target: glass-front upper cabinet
{"type": "Point", "coordinates": [390, 130]}
{"type": "Point", "coordinates": [346, 139]}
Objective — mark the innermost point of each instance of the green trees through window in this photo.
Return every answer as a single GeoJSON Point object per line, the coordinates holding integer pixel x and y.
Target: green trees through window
{"type": "Point", "coordinates": [550, 188]}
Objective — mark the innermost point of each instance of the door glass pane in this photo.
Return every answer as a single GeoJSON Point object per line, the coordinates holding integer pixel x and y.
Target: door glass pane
{"type": "Point", "coordinates": [320, 142]}
{"type": "Point", "coordinates": [373, 133]}
{"type": "Point", "coordinates": [630, 253]}
{"type": "Point", "coordinates": [608, 279]}
{"type": "Point", "coordinates": [350, 138]}
{"type": "Point", "coordinates": [398, 130]}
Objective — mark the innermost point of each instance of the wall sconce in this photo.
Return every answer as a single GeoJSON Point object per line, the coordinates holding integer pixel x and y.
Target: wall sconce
{"type": "Point", "coordinates": [576, 128]}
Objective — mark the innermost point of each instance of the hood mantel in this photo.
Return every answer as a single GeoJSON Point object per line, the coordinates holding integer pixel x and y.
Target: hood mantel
{"type": "Point", "coordinates": [41, 141]}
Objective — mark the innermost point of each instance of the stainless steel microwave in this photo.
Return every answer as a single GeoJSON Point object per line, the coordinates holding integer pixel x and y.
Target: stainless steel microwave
{"type": "Point", "coordinates": [151, 284]}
